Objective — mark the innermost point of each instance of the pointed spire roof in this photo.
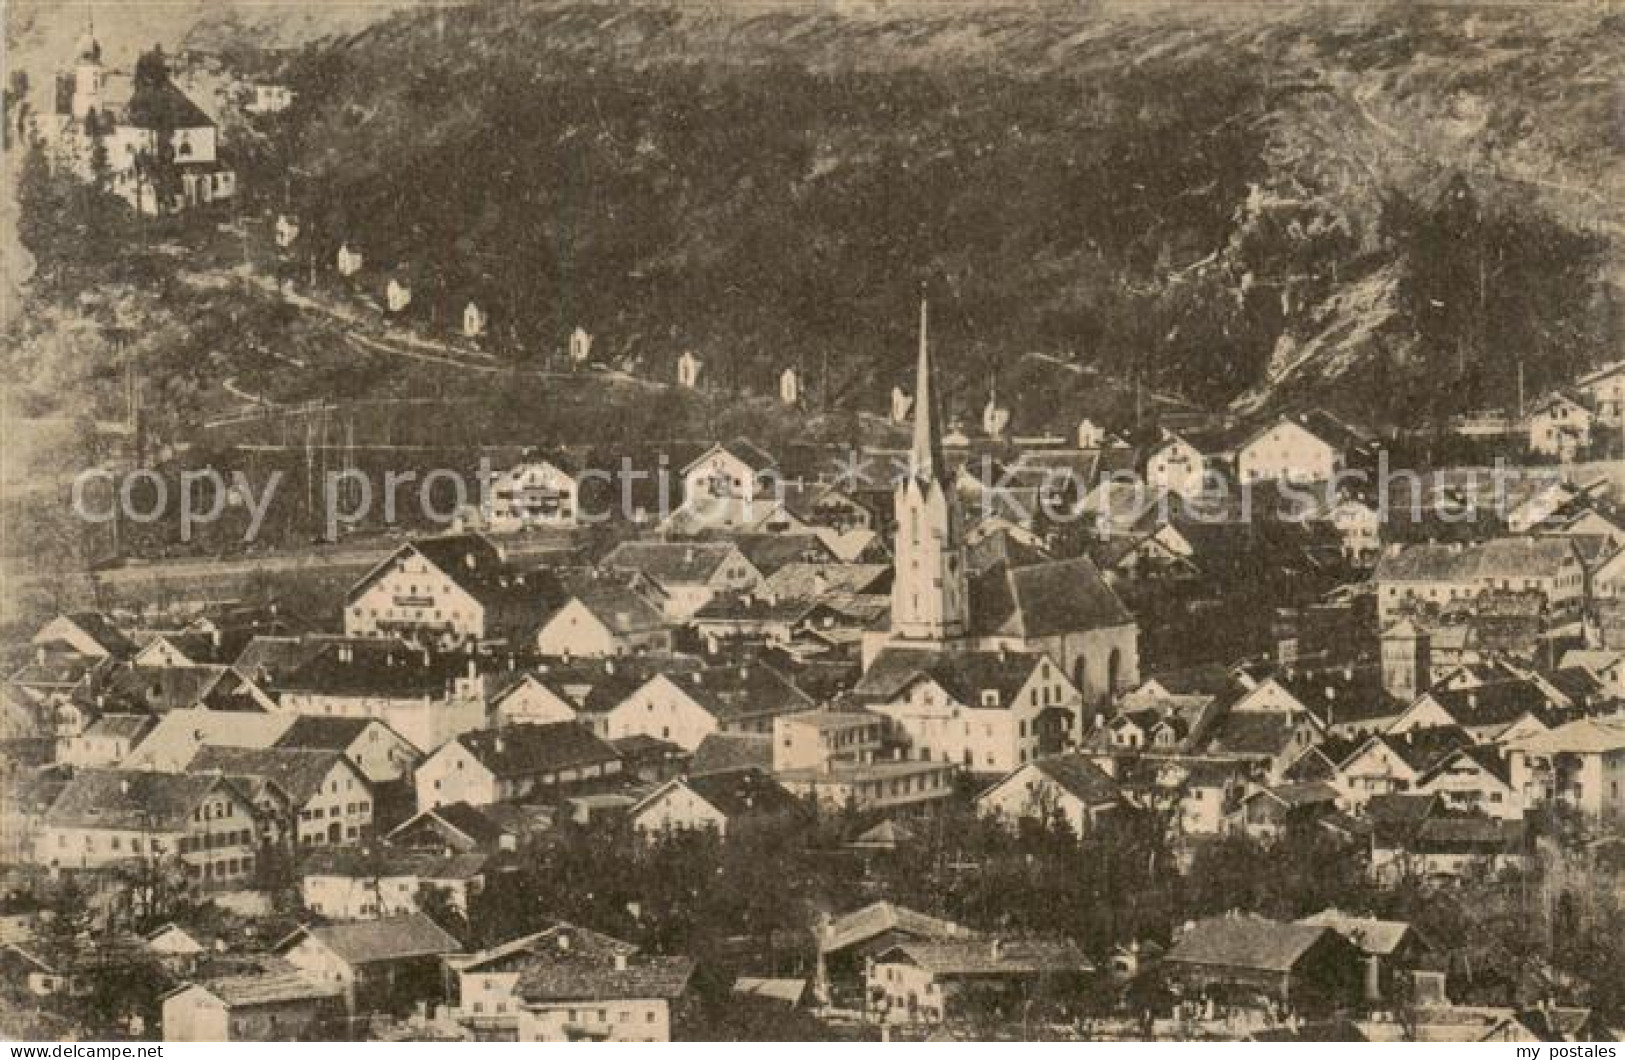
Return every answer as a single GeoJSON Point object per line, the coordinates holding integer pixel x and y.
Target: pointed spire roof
{"type": "Point", "coordinates": [925, 460]}
{"type": "Point", "coordinates": [90, 49]}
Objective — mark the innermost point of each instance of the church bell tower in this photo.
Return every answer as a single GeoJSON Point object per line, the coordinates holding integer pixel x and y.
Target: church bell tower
{"type": "Point", "coordinates": [930, 593]}
{"type": "Point", "coordinates": [87, 74]}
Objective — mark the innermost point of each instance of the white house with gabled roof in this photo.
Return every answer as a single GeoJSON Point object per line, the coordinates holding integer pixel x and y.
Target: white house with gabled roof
{"type": "Point", "coordinates": [531, 494]}
{"type": "Point", "coordinates": [1175, 465]}
{"type": "Point", "coordinates": [1559, 427]}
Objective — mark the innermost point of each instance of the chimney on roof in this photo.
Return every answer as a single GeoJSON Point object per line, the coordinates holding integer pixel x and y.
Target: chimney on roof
{"type": "Point", "coordinates": [563, 939]}
{"type": "Point", "coordinates": [620, 961]}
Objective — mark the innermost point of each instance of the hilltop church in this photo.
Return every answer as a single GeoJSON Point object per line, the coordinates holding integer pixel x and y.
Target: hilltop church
{"type": "Point", "coordinates": [993, 669]}
{"type": "Point", "coordinates": [128, 116]}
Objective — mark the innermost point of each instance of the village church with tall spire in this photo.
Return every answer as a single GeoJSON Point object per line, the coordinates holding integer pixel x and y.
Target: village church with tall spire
{"type": "Point", "coordinates": [992, 670]}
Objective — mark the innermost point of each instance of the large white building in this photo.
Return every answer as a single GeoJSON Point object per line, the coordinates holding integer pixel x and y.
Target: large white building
{"type": "Point", "coordinates": [446, 590]}
{"type": "Point", "coordinates": [1450, 576]}
{"type": "Point", "coordinates": [530, 495]}
{"type": "Point", "coordinates": [1305, 447]}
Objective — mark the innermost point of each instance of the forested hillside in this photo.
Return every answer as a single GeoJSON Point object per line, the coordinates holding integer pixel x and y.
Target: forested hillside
{"type": "Point", "coordinates": [1383, 209]}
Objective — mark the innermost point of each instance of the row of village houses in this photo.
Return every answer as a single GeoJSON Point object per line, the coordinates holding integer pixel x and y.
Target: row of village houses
{"type": "Point", "coordinates": [1327, 976]}
{"type": "Point", "coordinates": [469, 702]}
{"type": "Point", "coordinates": [1339, 976]}
{"type": "Point", "coordinates": [313, 753]}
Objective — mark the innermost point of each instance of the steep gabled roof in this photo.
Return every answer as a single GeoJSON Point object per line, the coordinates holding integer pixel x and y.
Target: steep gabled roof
{"type": "Point", "coordinates": [965, 675]}
{"type": "Point", "coordinates": [316, 732]}
{"type": "Point", "coordinates": [1510, 558]}
{"type": "Point", "coordinates": [393, 938]}
{"type": "Point", "coordinates": [1369, 934]}
{"type": "Point", "coordinates": [736, 793]}
{"type": "Point", "coordinates": [160, 689]}
{"type": "Point", "coordinates": [745, 691]}
{"type": "Point", "coordinates": [162, 105]}
{"type": "Point", "coordinates": [131, 799]}
{"type": "Point", "coordinates": [582, 978]}
{"type": "Point", "coordinates": [753, 607]}
{"type": "Point", "coordinates": [1342, 695]}
{"type": "Point", "coordinates": [721, 752]}
{"type": "Point", "coordinates": [1080, 777]}
{"type": "Point", "coordinates": [1581, 736]}
{"type": "Point", "coordinates": [983, 958]}
{"type": "Point", "coordinates": [1318, 422]}
{"type": "Point", "coordinates": [772, 552]}
{"type": "Point", "coordinates": [1254, 733]}
{"type": "Point", "coordinates": [1422, 749]}
{"type": "Point", "coordinates": [621, 609]}
{"type": "Point", "coordinates": [1044, 599]}
{"type": "Point", "coordinates": [672, 562]}
{"type": "Point", "coordinates": [1485, 757]}
{"type": "Point", "coordinates": [272, 658]}
{"type": "Point", "coordinates": [1246, 942]}
{"type": "Point", "coordinates": [175, 741]}
{"type": "Point", "coordinates": [387, 669]}
{"type": "Point", "coordinates": [742, 449]}
{"type": "Point", "coordinates": [812, 581]}
{"type": "Point", "coordinates": [540, 947]}
{"type": "Point", "coordinates": [475, 565]}
{"type": "Point", "coordinates": [271, 986]}
{"type": "Point", "coordinates": [529, 749]}
{"type": "Point", "coordinates": [471, 822]}
{"type": "Point", "coordinates": [383, 861]}
{"type": "Point", "coordinates": [1399, 816]}
{"type": "Point", "coordinates": [101, 630]}
{"type": "Point", "coordinates": [298, 773]}
{"type": "Point", "coordinates": [872, 921]}
{"type": "Point", "coordinates": [1498, 703]}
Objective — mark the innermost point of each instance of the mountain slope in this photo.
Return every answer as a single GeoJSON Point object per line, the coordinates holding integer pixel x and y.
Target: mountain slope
{"type": "Point", "coordinates": [1207, 203]}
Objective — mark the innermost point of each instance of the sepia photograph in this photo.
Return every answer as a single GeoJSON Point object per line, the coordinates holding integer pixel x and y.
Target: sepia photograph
{"type": "Point", "coordinates": [864, 521]}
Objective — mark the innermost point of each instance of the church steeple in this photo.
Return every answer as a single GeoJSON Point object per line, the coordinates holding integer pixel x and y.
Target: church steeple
{"type": "Point", "coordinates": [925, 458]}
{"type": "Point", "coordinates": [87, 74]}
{"type": "Point", "coordinates": [930, 593]}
